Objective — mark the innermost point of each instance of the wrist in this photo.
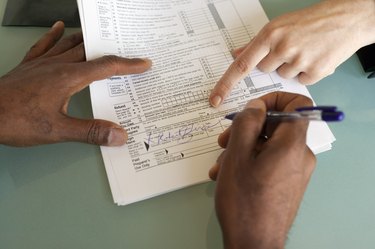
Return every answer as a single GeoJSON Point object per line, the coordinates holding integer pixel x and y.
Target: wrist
{"type": "Point", "coordinates": [367, 33]}
{"type": "Point", "coordinates": [253, 241]}
{"type": "Point", "coordinates": [363, 20]}
{"type": "Point", "coordinates": [258, 231]}
{"type": "Point", "coordinates": [357, 17]}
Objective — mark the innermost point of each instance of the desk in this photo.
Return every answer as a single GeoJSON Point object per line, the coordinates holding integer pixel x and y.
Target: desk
{"type": "Point", "coordinates": [57, 196]}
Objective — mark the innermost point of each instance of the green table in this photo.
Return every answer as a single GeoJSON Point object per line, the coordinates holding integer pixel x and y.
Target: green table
{"type": "Point", "coordinates": [57, 196]}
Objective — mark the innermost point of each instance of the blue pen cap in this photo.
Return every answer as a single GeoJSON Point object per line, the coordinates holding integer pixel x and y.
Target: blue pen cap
{"type": "Point", "coordinates": [333, 116]}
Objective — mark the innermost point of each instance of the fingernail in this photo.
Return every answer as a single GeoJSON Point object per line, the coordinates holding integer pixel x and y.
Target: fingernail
{"type": "Point", "coordinates": [117, 137]}
{"type": "Point", "coordinates": [56, 24]}
{"type": "Point", "coordinates": [255, 104]}
{"type": "Point", "coordinates": [141, 59]}
{"type": "Point", "coordinates": [216, 101]}
{"type": "Point", "coordinates": [147, 60]}
{"type": "Point", "coordinates": [212, 173]}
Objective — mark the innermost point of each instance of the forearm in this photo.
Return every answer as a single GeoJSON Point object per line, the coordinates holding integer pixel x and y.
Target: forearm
{"type": "Point", "coordinates": [359, 18]}
{"type": "Point", "coordinates": [369, 21]}
{"type": "Point", "coordinates": [258, 224]}
{"type": "Point", "coordinates": [253, 238]}
{"type": "Point", "coordinates": [4, 112]}
{"type": "Point", "coordinates": [253, 243]}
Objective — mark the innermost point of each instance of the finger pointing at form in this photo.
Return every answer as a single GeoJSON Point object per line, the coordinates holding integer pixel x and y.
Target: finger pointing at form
{"type": "Point", "coordinates": [253, 53]}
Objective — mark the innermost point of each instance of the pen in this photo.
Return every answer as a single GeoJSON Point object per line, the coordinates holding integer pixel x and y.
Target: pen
{"type": "Point", "coordinates": [318, 113]}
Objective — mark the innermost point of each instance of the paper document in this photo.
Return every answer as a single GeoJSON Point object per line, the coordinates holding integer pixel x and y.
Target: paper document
{"type": "Point", "coordinates": [172, 128]}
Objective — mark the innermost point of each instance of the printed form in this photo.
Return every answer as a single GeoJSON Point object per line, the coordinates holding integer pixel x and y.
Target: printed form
{"type": "Point", "coordinates": [172, 128]}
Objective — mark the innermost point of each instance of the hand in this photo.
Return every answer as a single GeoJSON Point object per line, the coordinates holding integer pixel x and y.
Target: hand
{"type": "Point", "coordinates": [34, 96]}
{"type": "Point", "coordinates": [260, 183]}
{"type": "Point", "coordinates": [308, 44]}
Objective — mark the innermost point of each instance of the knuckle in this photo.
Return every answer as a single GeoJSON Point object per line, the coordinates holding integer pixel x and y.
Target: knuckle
{"type": "Point", "coordinates": [282, 44]}
{"type": "Point", "coordinates": [283, 71]}
{"type": "Point", "coordinates": [70, 41]}
{"type": "Point", "coordinates": [117, 65]}
{"type": "Point", "coordinates": [268, 32]}
{"type": "Point", "coordinates": [263, 66]}
{"type": "Point", "coordinates": [299, 61]}
{"type": "Point", "coordinates": [317, 70]}
{"type": "Point", "coordinates": [241, 66]}
{"type": "Point", "coordinates": [102, 132]}
{"type": "Point", "coordinates": [75, 38]}
{"type": "Point", "coordinates": [110, 59]}
{"type": "Point", "coordinates": [303, 79]}
{"type": "Point", "coordinates": [272, 32]}
{"type": "Point", "coordinates": [111, 62]}
{"type": "Point", "coordinates": [284, 48]}
{"type": "Point", "coordinates": [250, 119]}
{"type": "Point", "coordinates": [306, 79]}
{"type": "Point", "coordinates": [225, 87]}
{"type": "Point", "coordinates": [61, 73]}
{"type": "Point", "coordinates": [95, 134]}
{"type": "Point", "coordinates": [78, 52]}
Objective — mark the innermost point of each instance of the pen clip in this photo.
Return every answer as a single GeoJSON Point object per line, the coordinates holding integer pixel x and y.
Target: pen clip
{"type": "Point", "coordinates": [327, 113]}
{"type": "Point", "coordinates": [324, 108]}
{"type": "Point", "coordinates": [319, 113]}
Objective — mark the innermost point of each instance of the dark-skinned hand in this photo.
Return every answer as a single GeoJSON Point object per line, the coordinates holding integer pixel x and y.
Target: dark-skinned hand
{"type": "Point", "coordinates": [261, 182]}
{"type": "Point", "coordinates": [34, 96]}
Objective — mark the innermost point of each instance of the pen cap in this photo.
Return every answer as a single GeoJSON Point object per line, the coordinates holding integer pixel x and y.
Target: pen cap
{"type": "Point", "coordinates": [332, 116]}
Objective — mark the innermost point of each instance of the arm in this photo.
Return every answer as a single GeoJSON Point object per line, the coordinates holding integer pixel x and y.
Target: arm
{"type": "Point", "coordinates": [308, 44]}
{"type": "Point", "coordinates": [34, 96]}
{"type": "Point", "coordinates": [260, 183]}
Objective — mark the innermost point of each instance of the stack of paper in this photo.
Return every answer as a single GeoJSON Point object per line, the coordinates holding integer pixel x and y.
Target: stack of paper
{"type": "Point", "coordinates": [172, 128]}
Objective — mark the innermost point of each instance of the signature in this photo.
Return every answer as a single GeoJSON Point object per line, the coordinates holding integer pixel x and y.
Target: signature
{"type": "Point", "coordinates": [182, 135]}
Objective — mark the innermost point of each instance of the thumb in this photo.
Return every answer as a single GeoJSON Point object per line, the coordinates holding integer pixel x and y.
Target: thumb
{"type": "Point", "coordinates": [93, 131]}
{"type": "Point", "coordinates": [237, 51]}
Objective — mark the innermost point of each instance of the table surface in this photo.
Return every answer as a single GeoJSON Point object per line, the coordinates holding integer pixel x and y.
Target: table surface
{"type": "Point", "coordinates": [57, 196]}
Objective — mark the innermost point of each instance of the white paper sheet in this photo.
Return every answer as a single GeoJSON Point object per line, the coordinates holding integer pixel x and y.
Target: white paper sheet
{"type": "Point", "coordinates": [172, 129]}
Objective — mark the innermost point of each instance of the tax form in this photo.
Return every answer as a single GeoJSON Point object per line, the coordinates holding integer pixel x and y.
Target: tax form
{"type": "Point", "coordinates": [172, 128]}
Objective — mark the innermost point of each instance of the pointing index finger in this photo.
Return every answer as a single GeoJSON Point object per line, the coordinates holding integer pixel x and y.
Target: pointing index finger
{"type": "Point", "coordinates": [255, 51]}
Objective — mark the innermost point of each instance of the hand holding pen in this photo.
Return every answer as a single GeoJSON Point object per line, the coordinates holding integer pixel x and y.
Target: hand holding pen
{"type": "Point", "coordinates": [260, 182]}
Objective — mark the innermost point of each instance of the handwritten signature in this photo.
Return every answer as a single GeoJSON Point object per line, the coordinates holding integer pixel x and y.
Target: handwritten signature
{"type": "Point", "coordinates": [182, 135]}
